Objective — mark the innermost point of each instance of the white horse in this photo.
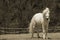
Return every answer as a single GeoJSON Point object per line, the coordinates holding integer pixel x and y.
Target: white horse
{"type": "Point", "coordinates": [40, 19]}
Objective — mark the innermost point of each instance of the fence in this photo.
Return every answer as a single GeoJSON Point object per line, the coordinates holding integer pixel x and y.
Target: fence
{"type": "Point", "coordinates": [13, 30]}
{"type": "Point", "coordinates": [24, 30]}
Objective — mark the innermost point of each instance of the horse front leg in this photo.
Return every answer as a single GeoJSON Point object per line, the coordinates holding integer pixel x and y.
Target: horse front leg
{"type": "Point", "coordinates": [47, 31]}
{"type": "Point", "coordinates": [44, 31]}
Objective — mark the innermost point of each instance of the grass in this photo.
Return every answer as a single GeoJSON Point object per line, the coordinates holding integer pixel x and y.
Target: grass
{"type": "Point", "coordinates": [52, 36]}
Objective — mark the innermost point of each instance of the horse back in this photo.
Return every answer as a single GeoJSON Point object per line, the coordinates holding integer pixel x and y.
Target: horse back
{"type": "Point", "coordinates": [38, 18]}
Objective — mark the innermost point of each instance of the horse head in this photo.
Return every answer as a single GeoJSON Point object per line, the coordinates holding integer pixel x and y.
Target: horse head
{"type": "Point", "coordinates": [46, 13]}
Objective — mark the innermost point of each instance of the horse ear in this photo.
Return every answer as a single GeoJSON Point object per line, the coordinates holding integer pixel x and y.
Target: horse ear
{"type": "Point", "coordinates": [45, 10]}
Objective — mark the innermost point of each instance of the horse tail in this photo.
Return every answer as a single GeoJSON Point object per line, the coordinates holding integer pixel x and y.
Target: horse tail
{"type": "Point", "coordinates": [31, 25]}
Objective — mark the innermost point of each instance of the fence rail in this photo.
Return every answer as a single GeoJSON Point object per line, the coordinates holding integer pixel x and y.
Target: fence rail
{"type": "Point", "coordinates": [13, 28]}
{"type": "Point", "coordinates": [22, 30]}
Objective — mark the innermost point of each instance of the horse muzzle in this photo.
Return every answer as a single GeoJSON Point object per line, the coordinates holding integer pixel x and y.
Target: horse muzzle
{"type": "Point", "coordinates": [47, 18]}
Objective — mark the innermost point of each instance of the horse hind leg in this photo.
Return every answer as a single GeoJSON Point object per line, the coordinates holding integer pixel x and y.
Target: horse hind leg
{"type": "Point", "coordinates": [32, 32]}
{"type": "Point", "coordinates": [38, 32]}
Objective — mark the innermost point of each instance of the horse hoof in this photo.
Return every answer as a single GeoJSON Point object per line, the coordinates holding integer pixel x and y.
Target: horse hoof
{"type": "Point", "coordinates": [49, 38]}
{"type": "Point", "coordinates": [38, 36]}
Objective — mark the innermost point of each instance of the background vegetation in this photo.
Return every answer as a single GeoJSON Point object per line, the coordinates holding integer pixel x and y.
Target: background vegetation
{"type": "Point", "coordinates": [18, 13]}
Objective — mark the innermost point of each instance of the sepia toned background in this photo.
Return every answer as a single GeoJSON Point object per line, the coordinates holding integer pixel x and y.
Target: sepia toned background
{"type": "Point", "coordinates": [15, 15]}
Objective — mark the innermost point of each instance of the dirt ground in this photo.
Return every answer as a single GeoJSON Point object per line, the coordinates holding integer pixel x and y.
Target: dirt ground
{"type": "Point", "coordinates": [52, 36]}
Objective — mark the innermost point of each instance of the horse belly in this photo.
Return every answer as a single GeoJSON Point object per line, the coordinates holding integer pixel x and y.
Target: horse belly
{"type": "Point", "coordinates": [38, 20]}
